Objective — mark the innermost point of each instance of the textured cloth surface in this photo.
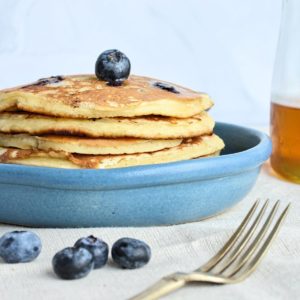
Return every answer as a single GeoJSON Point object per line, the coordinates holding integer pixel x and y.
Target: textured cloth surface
{"type": "Point", "coordinates": [175, 248]}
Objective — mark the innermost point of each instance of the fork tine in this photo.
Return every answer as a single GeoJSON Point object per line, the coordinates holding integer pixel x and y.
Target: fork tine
{"type": "Point", "coordinates": [254, 245]}
{"type": "Point", "coordinates": [240, 247]}
{"type": "Point", "coordinates": [251, 266]}
{"type": "Point", "coordinates": [226, 248]}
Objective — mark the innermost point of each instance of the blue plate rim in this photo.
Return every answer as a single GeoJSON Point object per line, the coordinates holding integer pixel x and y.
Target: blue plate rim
{"type": "Point", "coordinates": [141, 176]}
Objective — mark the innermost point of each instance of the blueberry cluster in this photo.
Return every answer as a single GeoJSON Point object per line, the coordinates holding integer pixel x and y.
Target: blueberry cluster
{"type": "Point", "coordinates": [92, 253]}
{"type": "Point", "coordinates": [75, 262]}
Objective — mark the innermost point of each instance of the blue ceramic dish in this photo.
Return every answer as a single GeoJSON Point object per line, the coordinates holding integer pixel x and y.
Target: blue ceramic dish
{"type": "Point", "coordinates": [161, 194]}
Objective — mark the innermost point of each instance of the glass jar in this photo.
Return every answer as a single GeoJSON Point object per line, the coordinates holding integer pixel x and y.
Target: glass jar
{"type": "Point", "coordinates": [285, 95]}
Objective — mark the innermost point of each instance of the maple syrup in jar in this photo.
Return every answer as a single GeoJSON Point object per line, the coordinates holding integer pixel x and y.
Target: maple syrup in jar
{"type": "Point", "coordinates": [285, 133]}
{"type": "Point", "coordinates": [285, 95]}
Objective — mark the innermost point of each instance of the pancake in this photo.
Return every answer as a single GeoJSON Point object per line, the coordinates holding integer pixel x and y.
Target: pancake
{"type": "Point", "coordinates": [62, 163]}
{"type": "Point", "coordinates": [140, 127]}
{"type": "Point", "coordinates": [85, 96]}
{"type": "Point", "coordinates": [100, 146]}
{"type": "Point", "coordinates": [188, 149]}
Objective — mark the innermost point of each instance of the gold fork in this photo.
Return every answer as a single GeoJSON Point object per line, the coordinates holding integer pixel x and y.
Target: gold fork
{"type": "Point", "coordinates": [234, 262]}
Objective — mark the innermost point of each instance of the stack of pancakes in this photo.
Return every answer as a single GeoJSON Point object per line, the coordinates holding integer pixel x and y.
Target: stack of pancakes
{"type": "Point", "coordinates": [81, 122]}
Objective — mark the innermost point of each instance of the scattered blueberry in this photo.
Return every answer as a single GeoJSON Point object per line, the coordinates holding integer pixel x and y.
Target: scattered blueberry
{"type": "Point", "coordinates": [73, 263]}
{"type": "Point", "coordinates": [45, 81]}
{"type": "Point", "coordinates": [166, 87]}
{"type": "Point", "coordinates": [130, 253]}
{"type": "Point", "coordinates": [20, 246]}
{"type": "Point", "coordinates": [112, 66]}
{"type": "Point", "coordinates": [97, 247]}
{"type": "Point", "coordinates": [49, 80]}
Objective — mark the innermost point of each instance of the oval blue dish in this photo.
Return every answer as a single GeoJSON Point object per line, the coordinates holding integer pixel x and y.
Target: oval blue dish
{"type": "Point", "coordinates": [148, 195]}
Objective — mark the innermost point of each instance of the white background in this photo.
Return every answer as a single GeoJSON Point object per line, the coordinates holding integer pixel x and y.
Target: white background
{"type": "Point", "coordinates": [223, 47]}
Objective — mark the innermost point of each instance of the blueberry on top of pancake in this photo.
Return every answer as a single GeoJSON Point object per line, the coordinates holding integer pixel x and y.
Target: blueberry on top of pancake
{"type": "Point", "coordinates": [166, 87]}
{"type": "Point", "coordinates": [112, 66]}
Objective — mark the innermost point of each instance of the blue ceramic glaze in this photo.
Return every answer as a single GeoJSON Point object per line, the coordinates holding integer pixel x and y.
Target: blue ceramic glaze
{"type": "Point", "coordinates": [161, 194]}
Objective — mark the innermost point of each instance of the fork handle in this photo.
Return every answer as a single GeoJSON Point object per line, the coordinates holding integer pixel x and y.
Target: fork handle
{"type": "Point", "coordinates": [160, 288]}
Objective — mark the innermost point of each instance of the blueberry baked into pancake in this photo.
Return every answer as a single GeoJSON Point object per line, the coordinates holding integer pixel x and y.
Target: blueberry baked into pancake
{"type": "Point", "coordinates": [108, 120]}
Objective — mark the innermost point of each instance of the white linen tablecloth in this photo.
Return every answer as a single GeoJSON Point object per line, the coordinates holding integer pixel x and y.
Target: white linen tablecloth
{"type": "Point", "coordinates": [175, 248]}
